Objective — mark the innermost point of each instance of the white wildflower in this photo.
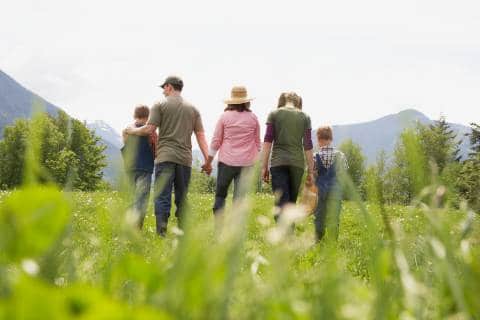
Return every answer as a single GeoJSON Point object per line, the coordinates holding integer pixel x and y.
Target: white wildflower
{"type": "Point", "coordinates": [30, 266]}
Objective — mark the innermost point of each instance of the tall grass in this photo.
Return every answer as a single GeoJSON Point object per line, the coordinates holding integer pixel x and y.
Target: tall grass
{"type": "Point", "coordinates": [78, 255]}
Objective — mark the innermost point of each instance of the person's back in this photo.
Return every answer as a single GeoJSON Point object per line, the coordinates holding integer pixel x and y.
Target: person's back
{"type": "Point", "coordinates": [241, 143]}
{"type": "Point", "coordinates": [176, 120]}
{"type": "Point", "coordinates": [290, 125]}
{"type": "Point", "coordinates": [237, 140]}
{"type": "Point", "coordinates": [330, 165]}
{"type": "Point", "coordinates": [288, 136]}
{"type": "Point", "coordinates": [138, 153]}
{"type": "Point", "coordinates": [328, 162]}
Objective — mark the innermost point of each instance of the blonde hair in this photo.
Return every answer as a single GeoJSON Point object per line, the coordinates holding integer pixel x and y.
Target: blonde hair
{"type": "Point", "coordinates": [325, 133]}
{"type": "Point", "coordinates": [291, 97]}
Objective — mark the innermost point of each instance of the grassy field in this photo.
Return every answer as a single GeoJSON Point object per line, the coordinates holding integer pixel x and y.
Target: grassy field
{"type": "Point", "coordinates": [76, 255]}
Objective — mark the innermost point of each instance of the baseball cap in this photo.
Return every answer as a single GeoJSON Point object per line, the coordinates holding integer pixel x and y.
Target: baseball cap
{"type": "Point", "coordinates": [173, 80]}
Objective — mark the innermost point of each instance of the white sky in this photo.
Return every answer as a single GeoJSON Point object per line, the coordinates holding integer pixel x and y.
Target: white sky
{"type": "Point", "coordinates": [351, 61]}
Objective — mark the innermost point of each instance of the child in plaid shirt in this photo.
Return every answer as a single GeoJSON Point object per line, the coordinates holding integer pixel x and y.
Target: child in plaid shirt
{"type": "Point", "coordinates": [330, 163]}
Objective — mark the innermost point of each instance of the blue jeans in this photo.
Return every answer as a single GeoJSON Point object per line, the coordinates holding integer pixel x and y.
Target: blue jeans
{"type": "Point", "coordinates": [170, 176]}
{"type": "Point", "coordinates": [225, 176]}
{"type": "Point", "coordinates": [327, 213]}
{"type": "Point", "coordinates": [286, 180]}
{"type": "Point", "coordinates": [142, 181]}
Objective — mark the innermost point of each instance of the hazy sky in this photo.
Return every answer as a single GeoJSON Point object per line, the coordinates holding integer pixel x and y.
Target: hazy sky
{"type": "Point", "coordinates": [351, 61]}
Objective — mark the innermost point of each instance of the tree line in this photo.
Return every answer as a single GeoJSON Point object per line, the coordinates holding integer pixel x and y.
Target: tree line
{"type": "Point", "coordinates": [423, 155]}
{"type": "Point", "coordinates": [68, 153]}
{"type": "Point", "coordinates": [72, 157]}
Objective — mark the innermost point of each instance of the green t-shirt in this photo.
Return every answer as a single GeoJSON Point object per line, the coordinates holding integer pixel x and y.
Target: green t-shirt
{"type": "Point", "coordinates": [176, 120]}
{"type": "Point", "coordinates": [289, 125]}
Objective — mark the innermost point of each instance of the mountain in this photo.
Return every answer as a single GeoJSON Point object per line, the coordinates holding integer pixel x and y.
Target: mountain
{"type": "Point", "coordinates": [113, 141]}
{"type": "Point", "coordinates": [372, 136]}
{"type": "Point", "coordinates": [107, 133]}
{"type": "Point", "coordinates": [377, 135]}
{"type": "Point", "coordinates": [16, 102]}
{"type": "Point", "coordinates": [383, 133]}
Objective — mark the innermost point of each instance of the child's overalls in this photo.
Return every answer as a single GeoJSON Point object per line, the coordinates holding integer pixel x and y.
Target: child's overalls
{"type": "Point", "coordinates": [329, 199]}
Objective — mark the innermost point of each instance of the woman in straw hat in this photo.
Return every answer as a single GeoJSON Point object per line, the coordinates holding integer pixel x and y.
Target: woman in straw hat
{"type": "Point", "coordinates": [289, 132]}
{"type": "Point", "coordinates": [237, 141]}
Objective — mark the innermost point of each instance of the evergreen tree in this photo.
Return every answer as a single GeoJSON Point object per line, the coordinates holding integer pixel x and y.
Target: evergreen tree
{"type": "Point", "coordinates": [69, 154]}
{"type": "Point", "coordinates": [12, 154]}
{"type": "Point", "coordinates": [440, 143]}
{"type": "Point", "coordinates": [89, 152]}
{"type": "Point", "coordinates": [468, 181]}
{"type": "Point", "coordinates": [474, 138]}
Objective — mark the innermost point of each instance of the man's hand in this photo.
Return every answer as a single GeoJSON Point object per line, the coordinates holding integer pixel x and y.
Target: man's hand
{"type": "Point", "coordinates": [124, 135]}
{"type": "Point", "coordinates": [265, 175]}
{"type": "Point", "coordinates": [207, 168]}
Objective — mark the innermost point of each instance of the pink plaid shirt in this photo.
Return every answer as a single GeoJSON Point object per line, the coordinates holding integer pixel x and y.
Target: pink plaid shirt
{"type": "Point", "coordinates": [236, 138]}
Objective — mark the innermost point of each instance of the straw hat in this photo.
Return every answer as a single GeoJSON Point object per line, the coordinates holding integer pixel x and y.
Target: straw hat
{"type": "Point", "coordinates": [238, 96]}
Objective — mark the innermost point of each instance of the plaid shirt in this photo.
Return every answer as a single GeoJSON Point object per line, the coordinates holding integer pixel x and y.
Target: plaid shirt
{"type": "Point", "coordinates": [328, 155]}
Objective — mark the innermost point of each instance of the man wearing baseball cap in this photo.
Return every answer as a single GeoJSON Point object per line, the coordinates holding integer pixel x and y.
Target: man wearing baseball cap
{"type": "Point", "coordinates": [176, 120]}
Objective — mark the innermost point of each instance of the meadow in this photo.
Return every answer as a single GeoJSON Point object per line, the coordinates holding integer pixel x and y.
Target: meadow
{"type": "Point", "coordinates": [77, 255]}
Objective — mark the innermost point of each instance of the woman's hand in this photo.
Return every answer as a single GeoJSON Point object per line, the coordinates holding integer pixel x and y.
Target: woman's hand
{"type": "Point", "coordinates": [207, 168]}
{"type": "Point", "coordinates": [309, 180]}
{"type": "Point", "coordinates": [265, 175]}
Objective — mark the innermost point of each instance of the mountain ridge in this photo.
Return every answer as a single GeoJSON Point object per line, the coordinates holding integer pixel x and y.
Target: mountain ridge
{"type": "Point", "coordinates": [18, 102]}
{"type": "Point", "coordinates": [383, 133]}
{"type": "Point", "coordinates": [372, 136]}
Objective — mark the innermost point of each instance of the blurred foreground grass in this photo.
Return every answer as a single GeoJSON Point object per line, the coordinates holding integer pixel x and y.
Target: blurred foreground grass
{"type": "Point", "coordinates": [76, 255]}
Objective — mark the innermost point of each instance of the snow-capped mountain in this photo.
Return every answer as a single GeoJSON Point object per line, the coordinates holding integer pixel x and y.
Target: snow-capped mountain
{"type": "Point", "coordinates": [106, 132]}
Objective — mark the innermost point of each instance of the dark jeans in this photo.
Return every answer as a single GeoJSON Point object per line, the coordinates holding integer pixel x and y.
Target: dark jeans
{"type": "Point", "coordinates": [170, 176]}
{"type": "Point", "coordinates": [286, 180]}
{"type": "Point", "coordinates": [225, 176]}
{"type": "Point", "coordinates": [142, 181]}
{"type": "Point", "coordinates": [327, 214]}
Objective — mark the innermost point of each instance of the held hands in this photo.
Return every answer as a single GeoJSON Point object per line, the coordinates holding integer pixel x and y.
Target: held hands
{"type": "Point", "coordinates": [309, 180]}
{"type": "Point", "coordinates": [207, 168]}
